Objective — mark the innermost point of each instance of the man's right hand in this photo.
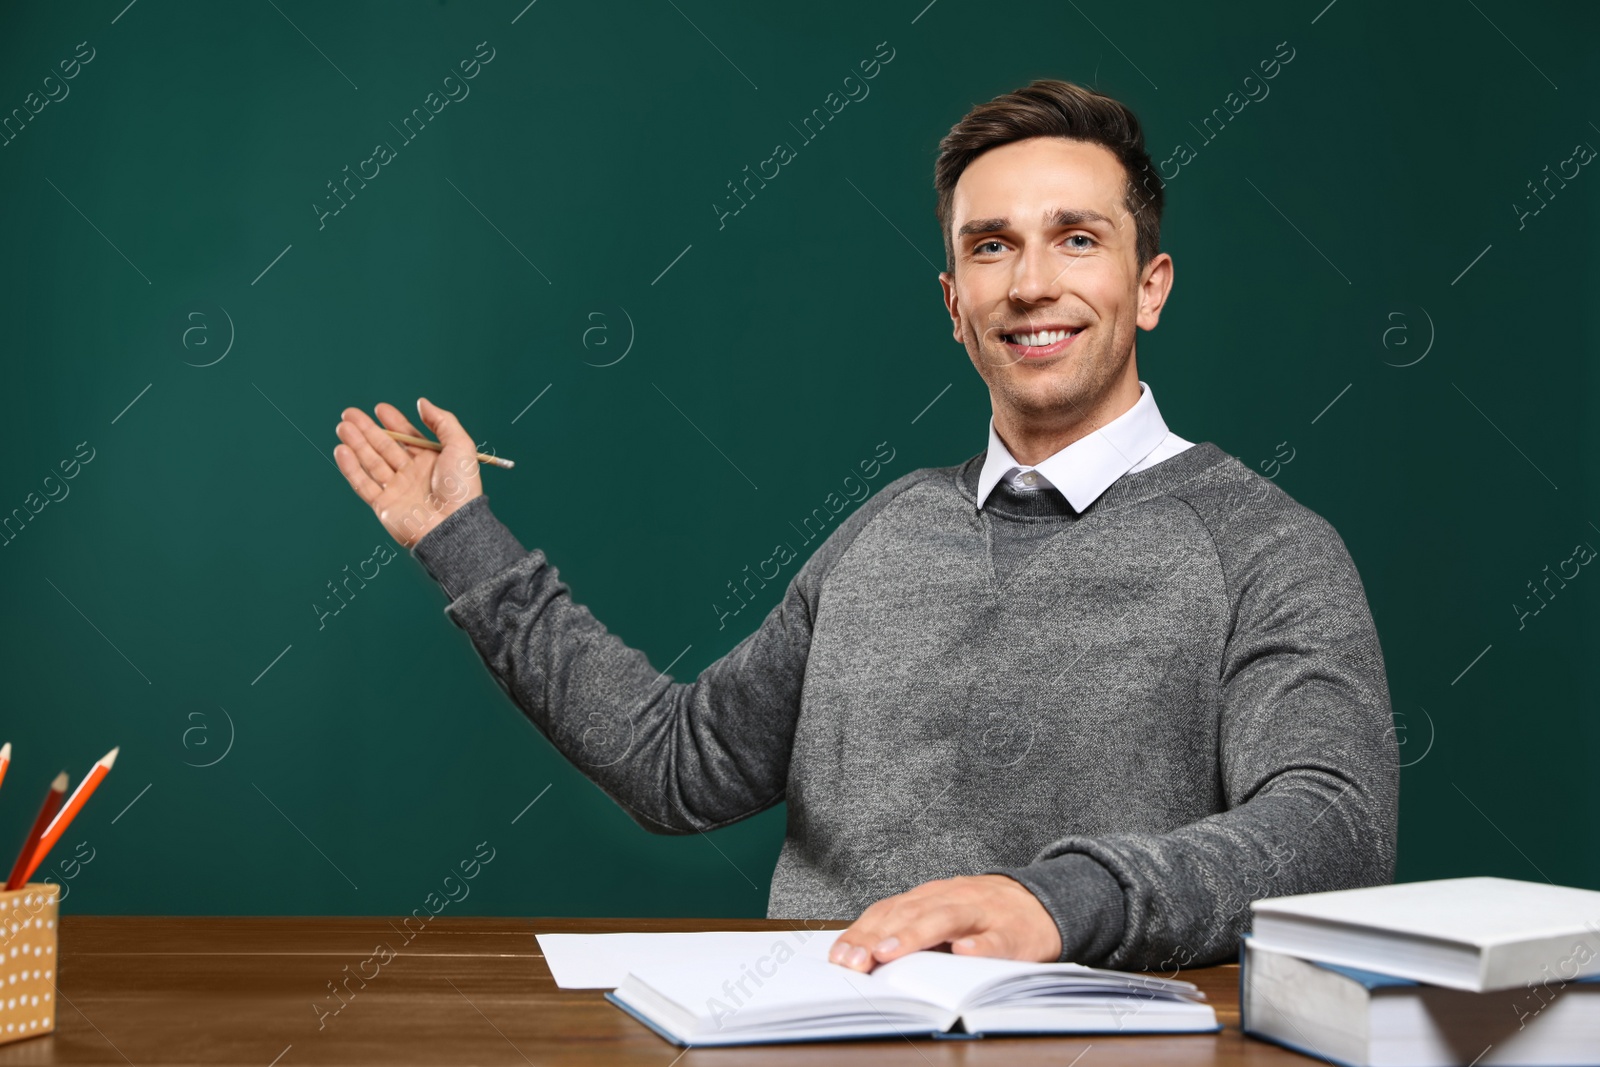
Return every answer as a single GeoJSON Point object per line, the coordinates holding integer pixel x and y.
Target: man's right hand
{"type": "Point", "coordinates": [411, 489]}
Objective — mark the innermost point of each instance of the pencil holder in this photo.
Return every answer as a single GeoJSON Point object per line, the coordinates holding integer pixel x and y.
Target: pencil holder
{"type": "Point", "coordinates": [28, 926]}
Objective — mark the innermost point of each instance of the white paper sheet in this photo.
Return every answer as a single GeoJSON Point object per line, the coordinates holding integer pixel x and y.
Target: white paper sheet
{"type": "Point", "coordinates": [601, 961]}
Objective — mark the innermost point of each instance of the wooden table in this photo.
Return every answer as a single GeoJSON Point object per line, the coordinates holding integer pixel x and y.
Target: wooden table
{"type": "Point", "coordinates": [224, 991]}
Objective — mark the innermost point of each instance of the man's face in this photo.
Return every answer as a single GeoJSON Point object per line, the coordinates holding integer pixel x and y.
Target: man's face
{"type": "Point", "coordinates": [1044, 244]}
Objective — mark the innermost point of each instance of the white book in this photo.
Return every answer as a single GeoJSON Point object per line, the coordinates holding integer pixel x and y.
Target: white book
{"type": "Point", "coordinates": [1476, 934]}
{"type": "Point", "coordinates": [741, 998]}
{"type": "Point", "coordinates": [1362, 1019]}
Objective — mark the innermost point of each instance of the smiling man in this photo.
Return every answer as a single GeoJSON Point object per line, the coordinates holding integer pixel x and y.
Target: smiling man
{"type": "Point", "coordinates": [1083, 696]}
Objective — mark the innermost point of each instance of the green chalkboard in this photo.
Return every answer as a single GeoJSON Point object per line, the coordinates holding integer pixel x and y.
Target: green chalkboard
{"type": "Point", "coordinates": [207, 256]}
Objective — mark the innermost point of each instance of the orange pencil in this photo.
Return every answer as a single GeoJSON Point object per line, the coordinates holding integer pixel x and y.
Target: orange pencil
{"type": "Point", "coordinates": [64, 817]}
{"type": "Point", "coordinates": [5, 759]}
{"type": "Point", "coordinates": [52, 804]}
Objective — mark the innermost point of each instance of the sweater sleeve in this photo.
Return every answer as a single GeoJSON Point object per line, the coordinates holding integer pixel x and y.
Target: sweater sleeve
{"type": "Point", "coordinates": [1308, 761]}
{"type": "Point", "coordinates": [679, 757]}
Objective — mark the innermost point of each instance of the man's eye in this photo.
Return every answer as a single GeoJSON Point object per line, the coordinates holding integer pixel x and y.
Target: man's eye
{"type": "Point", "coordinates": [979, 250]}
{"type": "Point", "coordinates": [1081, 237]}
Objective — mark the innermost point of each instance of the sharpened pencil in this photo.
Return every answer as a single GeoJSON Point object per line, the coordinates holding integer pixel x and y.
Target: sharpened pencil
{"type": "Point", "coordinates": [5, 759]}
{"type": "Point", "coordinates": [423, 442]}
{"type": "Point", "coordinates": [64, 817]}
{"type": "Point", "coordinates": [47, 811]}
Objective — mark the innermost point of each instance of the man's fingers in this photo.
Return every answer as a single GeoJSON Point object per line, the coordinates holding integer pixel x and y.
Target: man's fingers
{"type": "Point", "coordinates": [921, 926]}
{"type": "Point", "coordinates": [897, 925]}
{"type": "Point", "coordinates": [853, 948]}
{"type": "Point", "coordinates": [977, 915]}
{"type": "Point", "coordinates": [443, 424]}
{"type": "Point", "coordinates": [986, 943]}
{"type": "Point", "coordinates": [393, 452]}
{"type": "Point", "coordinates": [395, 420]}
{"type": "Point", "coordinates": [345, 457]}
{"type": "Point", "coordinates": [359, 440]}
{"type": "Point", "coordinates": [355, 415]}
{"type": "Point", "coordinates": [868, 928]}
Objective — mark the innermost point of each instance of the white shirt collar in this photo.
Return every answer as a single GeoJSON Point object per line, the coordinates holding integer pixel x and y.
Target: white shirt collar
{"type": "Point", "coordinates": [1087, 467]}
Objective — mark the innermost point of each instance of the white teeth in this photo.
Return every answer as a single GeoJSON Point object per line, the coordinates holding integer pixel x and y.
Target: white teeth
{"type": "Point", "coordinates": [1037, 340]}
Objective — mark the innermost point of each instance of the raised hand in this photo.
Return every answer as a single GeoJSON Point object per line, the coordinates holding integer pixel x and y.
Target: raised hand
{"type": "Point", "coordinates": [410, 489]}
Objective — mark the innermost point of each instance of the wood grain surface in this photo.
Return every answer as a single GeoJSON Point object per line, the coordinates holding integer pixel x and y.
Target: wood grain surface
{"type": "Point", "coordinates": [243, 991]}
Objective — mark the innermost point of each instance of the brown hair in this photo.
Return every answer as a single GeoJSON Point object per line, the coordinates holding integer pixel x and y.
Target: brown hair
{"type": "Point", "coordinates": [1051, 108]}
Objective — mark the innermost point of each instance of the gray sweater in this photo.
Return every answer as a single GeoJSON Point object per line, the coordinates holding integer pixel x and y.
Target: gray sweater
{"type": "Point", "coordinates": [1149, 713]}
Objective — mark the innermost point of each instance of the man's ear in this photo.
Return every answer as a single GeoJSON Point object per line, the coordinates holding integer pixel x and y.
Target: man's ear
{"type": "Point", "coordinates": [947, 282]}
{"type": "Point", "coordinates": [1155, 286]}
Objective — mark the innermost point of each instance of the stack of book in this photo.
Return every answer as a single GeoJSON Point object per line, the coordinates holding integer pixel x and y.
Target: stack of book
{"type": "Point", "coordinates": [1486, 972]}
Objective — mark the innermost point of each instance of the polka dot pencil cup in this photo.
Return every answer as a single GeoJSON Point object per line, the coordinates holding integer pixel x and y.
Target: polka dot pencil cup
{"type": "Point", "coordinates": [28, 926]}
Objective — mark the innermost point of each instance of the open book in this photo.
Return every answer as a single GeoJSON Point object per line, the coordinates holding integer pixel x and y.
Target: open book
{"type": "Point", "coordinates": [724, 1000]}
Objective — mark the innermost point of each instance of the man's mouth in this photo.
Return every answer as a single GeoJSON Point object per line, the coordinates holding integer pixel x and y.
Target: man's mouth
{"type": "Point", "coordinates": [1037, 344]}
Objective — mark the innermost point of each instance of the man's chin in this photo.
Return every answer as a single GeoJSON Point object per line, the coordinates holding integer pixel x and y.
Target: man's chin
{"type": "Point", "coordinates": [1041, 404]}
{"type": "Point", "coordinates": [1042, 390]}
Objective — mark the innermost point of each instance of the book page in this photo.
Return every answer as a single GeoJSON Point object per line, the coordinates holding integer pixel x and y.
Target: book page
{"type": "Point", "coordinates": [951, 981]}
{"type": "Point", "coordinates": [726, 995]}
{"type": "Point", "coordinates": [958, 982]}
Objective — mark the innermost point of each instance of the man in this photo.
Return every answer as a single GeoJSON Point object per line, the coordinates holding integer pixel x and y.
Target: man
{"type": "Point", "coordinates": [1083, 696]}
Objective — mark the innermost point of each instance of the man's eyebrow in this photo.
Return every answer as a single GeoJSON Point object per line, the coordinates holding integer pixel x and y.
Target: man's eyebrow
{"type": "Point", "coordinates": [1059, 217]}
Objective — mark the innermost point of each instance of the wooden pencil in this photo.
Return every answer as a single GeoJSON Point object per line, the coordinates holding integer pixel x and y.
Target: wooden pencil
{"type": "Point", "coordinates": [47, 811]}
{"type": "Point", "coordinates": [423, 442]}
{"type": "Point", "coordinates": [64, 817]}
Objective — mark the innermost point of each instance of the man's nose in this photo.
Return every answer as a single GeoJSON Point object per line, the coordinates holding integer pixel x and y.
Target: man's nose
{"type": "Point", "coordinates": [1037, 278]}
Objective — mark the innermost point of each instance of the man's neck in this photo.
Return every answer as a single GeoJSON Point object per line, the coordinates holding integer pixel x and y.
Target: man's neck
{"type": "Point", "coordinates": [1032, 439]}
